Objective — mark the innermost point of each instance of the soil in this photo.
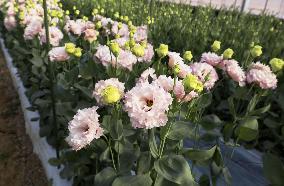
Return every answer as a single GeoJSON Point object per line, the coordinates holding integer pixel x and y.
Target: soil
{"type": "Point", "coordinates": [19, 166]}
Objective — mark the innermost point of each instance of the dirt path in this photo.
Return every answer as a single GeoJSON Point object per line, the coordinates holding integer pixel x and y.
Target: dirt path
{"type": "Point", "coordinates": [19, 166]}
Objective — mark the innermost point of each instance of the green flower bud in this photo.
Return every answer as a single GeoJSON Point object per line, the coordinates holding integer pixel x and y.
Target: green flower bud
{"type": "Point", "coordinates": [191, 82]}
{"type": "Point", "coordinates": [98, 25]}
{"type": "Point", "coordinates": [111, 95]}
{"type": "Point", "coordinates": [78, 52]}
{"type": "Point", "coordinates": [216, 46]}
{"type": "Point", "coordinates": [176, 69]}
{"type": "Point", "coordinates": [256, 51]}
{"type": "Point", "coordinates": [70, 48]}
{"type": "Point", "coordinates": [228, 53]}
{"type": "Point", "coordinates": [138, 50]}
{"type": "Point", "coordinates": [115, 49]}
{"type": "Point", "coordinates": [187, 56]}
{"type": "Point", "coordinates": [276, 64]}
{"type": "Point", "coordinates": [163, 50]}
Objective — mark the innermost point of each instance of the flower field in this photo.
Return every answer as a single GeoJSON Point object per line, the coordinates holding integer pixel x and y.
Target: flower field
{"type": "Point", "coordinates": [122, 86]}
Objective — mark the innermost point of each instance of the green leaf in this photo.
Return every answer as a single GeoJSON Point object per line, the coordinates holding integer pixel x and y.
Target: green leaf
{"type": "Point", "coordinates": [228, 131]}
{"type": "Point", "coordinates": [227, 176]}
{"type": "Point", "coordinates": [144, 163]}
{"type": "Point", "coordinates": [161, 181]}
{"type": "Point", "coordinates": [248, 130]}
{"type": "Point", "coordinates": [175, 169]}
{"type": "Point", "coordinates": [105, 177]}
{"type": "Point", "coordinates": [210, 122]}
{"type": "Point", "coordinates": [180, 130]}
{"type": "Point", "coordinates": [204, 100]}
{"type": "Point", "coordinates": [273, 169]}
{"type": "Point", "coordinates": [139, 180]}
{"type": "Point", "coordinates": [204, 180]}
{"type": "Point", "coordinates": [152, 144]}
{"type": "Point", "coordinates": [200, 155]}
{"type": "Point", "coordinates": [260, 110]}
{"type": "Point", "coordinates": [37, 61]}
{"type": "Point", "coordinates": [116, 129]}
{"type": "Point", "coordinates": [232, 106]}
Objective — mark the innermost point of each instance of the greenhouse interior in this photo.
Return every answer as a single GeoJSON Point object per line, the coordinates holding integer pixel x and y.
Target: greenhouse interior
{"type": "Point", "coordinates": [142, 93]}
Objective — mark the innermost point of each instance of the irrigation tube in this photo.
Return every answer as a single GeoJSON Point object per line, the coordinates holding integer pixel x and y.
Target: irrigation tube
{"type": "Point", "coordinates": [40, 146]}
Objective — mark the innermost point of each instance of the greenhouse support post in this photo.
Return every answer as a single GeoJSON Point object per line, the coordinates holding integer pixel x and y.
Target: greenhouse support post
{"type": "Point", "coordinates": [51, 78]}
{"type": "Point", "coordinates": [245, 5]}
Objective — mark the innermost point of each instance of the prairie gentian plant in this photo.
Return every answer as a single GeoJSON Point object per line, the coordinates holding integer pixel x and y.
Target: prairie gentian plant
{"type": "Point", "coordinates": [126, 112]}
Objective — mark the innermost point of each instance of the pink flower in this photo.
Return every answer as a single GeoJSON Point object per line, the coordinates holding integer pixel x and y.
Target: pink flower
{"type": "Point", "coordinates": [126, 59]}
{"type": "Point", "coordinates": [148, 73]}
{"type": "Point", "coordinates": [234, 70]}
{"type": "Point", "coordinates": [58, 54]}
{"type": "Point", "coordinates": [104, 55]}
{"type": "Point", "coordinates": [91, 35]}
{"type": "Point", "coordinates": [190, 96]}
{"type": "Point", "coordinates": [261, 75]}
{"type": "Point", "coordinates": [84, 128]}
{"type": "Point", "coordinates": [10, 22]}
{"type": "Point", "coordinates": [121, 41]}
{"type": "Point", "coordinates": [149, 53]}
{"type": "Point", "coordinates": [141, 33]}
{"type": "Point", "coordinates": [167, 83]}
{"type": "Point", "coordinates": [175, 59]}
{"type": "Point", "coordinates": [55, 36]}
{"type": "Point", "coordinates": [76, 27]}
{"type": "Point", "coordinates": [146, 105]}
{"type": "Point", "coordinates": [103, 84]}
{"type": "Point", "coordinates": [211, 58]}
{"type": "Point", "coordinates": [123, 31]}
{"type": "Point", "coordinates": [33, 28]}
{"type": "Point", "coordinates": [206, 73]}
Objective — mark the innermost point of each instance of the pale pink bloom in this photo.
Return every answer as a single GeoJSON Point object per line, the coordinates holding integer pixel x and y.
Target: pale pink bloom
{"type": "Point", "coordinates": [146, 105]}
{"type": "Point", "coordinates": [190, 96]}
{"type": "Point", "coordinates": [211, 58]}
{"type": "Point", "coordinates": [261, 75]}
{"type": "Point", "coordinates": [11, 11]}
{"type": "Point", "coordinates": [58, 54]}
{"type": "Point", "coordinates": [84, 128]}
{"type": "Point", "coordinates": [126, 59]}
{"type": "Point", "coordinates": [206, 73]}
{"type": "Point", "coordinates": [75, 27]}
{"type": "Point", "coordinates": [91, 35]}
{"type": "Point", "coordinates": [10, 22]}
{"type": "Point", "coordinates": [234, 70]}
{"type": "Point", "coordinates": [141, 33]}
{"type": "Point", "coordinates": [121, 41]}
{"type": "Point", "coordinates": [167, 83]}
{"type": "Point", "coordinates": [123, 31]}
{"type": "Point", "coordinates": [89, 25]}
{"type": "Point", "coordinates": [175, 59]}
{"type": "Point", "coordinates": [102, 85]}
{"type": "Point", "coordinates": [55, 36]}
{"type": "Point", "coordinates": [104, 56]}
{"type": "Point", "coordinates": [33, 28]}
{"type": "Point", "coordinates": [148, 73]}
{"type": "Point", "coordinates": [149, 53]}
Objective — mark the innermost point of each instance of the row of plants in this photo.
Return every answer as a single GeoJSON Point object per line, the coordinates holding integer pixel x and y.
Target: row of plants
{"type": "Point", "coordinates": [185, 27]}
{"type": "Point", "coordinates": [120, 110]}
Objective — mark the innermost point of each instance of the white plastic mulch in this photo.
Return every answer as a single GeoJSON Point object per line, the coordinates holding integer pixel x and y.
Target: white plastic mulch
{"type": "Point", "coordinates": [40, 146]}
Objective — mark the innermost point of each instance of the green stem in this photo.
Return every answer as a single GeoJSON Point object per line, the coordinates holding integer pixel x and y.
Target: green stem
{"type": "Point", "coordinates": [111, 152]}
{"type": "Point", "coordinates": [162, 145]}
{"type": "Point", "coordinates": [234, 148]}
{"type": "Point", "coordinates": [51, 83]}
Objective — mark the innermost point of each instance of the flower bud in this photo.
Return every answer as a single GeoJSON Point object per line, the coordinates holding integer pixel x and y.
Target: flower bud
{"type": "Point", "coordinates": [138, 50]}
{"type": "Point", "coordinates": [111, 94]}
{"type": "Point", "coordinates": [187, 56]}
{"type": "Point", "coordinates": [98, 25]}
{"type": "Point", "coordinates": [78, 52]}
{"type": "Point", "coordinates": [256, 51]}
{"type": "Point", "coordinates": [70, 48]}
{"type": "Point", "coordinates": [216, 46]}
{"type": "Point", "coordinates": [228, 53]}
{"type": "Point", "coordinates": [191, 82]}
{"type": "Point", "coordinates": [163, 50]}
{"type": "Point", "coordinates": [176, 69]}
{"type": "Point", "coordinates": [276, 64]}
{"type": "Point", "coordinates": [115, 49]}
